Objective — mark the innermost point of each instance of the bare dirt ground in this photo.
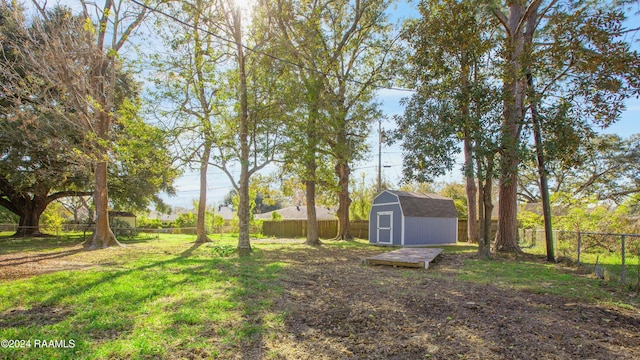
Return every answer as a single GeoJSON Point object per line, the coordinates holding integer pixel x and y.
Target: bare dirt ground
{"type": "Point", "coordinates": [337, 308]}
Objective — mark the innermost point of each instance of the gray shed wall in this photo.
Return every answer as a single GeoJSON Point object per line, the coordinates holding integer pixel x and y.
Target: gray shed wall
{"type": "Point", "coordinates": [397, 222]}
{"type": "Point", "coordinates": [430, 231]}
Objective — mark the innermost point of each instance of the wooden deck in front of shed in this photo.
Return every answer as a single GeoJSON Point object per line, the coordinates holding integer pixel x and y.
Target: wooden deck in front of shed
{"type": "Point", "coordinates": [406, 257]}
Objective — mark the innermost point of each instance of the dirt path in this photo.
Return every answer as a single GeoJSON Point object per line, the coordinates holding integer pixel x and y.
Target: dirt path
{"type": "Point", "coordinates": [339, 309]}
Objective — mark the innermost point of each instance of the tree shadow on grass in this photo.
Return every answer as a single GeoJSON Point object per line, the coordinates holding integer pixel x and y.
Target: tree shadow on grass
{"type": "Point", "coordinates": [42, 315]}
{"type": "Point", "coordinates": [189, 251]}
{"type": "Point", "coordinates": [13, 261]}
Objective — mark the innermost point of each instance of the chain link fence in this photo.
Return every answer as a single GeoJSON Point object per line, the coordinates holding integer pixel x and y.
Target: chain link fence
{"type": "Point", "coordinates": [608, 255]}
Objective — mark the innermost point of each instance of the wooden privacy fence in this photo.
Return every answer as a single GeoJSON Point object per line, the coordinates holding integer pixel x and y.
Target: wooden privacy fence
{"type": "Point", "coordinates": [463, 235]}
{"type": "Point", "coordinates": [326, 228]}
{"type": "Point", "coordinates": [329, 228]}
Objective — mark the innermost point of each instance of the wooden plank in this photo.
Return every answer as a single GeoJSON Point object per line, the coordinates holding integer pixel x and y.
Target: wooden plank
{"type": "Point", "coordinates": [395, 263]}
{"type": "Point", "coordinates": [406, 257]}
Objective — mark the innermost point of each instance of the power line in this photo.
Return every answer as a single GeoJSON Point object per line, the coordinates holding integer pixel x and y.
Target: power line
{"type": "Point", "coordinates": [273, 57]}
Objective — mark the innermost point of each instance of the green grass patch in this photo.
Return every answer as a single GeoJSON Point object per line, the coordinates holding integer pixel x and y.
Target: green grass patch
{"type": "Point", "coordinates": [160, 300]}
{"type": "Point", "coordinates": [542, 278]}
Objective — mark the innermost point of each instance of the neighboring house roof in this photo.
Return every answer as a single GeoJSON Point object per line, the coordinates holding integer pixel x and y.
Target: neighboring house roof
{"type": "Point", "coordinates": [425, 205]}
{"type": "Point", "coordinates": [226, 212]}
{"type": "Point", "coordinates": [121, 214]}
{"type": "Point", "coordinates": [299, 212]}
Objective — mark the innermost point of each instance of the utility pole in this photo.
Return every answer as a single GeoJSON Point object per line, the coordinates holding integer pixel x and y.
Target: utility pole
{"type": "Point", "coordinates": [379, 156]}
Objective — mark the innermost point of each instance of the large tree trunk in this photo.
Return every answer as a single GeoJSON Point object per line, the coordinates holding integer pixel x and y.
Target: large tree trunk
{"type": "Point", "coordinates": [507, 236]}
{"type": "Point", "coordinates": [102, 237]}
{"type": "Point", "coordinates": [244, 216]}
{"type": "Point", "coordinates": [312, 222]}
{"type": "Point", "coordinates": [244, 242]}
{"type": "Point", "coordinates": [29, 224]}
{"type": "Point", "coordinates": [201, 230]}
{"type": "Point", "coordinates": [344, 201]}
{"type": "Point", "coordinates": [472, 228]}
{"type": "Point", "coordinates": [516, 48]}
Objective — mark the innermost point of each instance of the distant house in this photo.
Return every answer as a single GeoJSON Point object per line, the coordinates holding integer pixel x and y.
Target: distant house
{"type": "Point", "coordinates": [412, 219]}
{"type": "Point", "coordinates": [299, 213]}
{"type": "Point", "coordinates": [124, 216]}
{"type": "Point", "coordinates": [226, 212]}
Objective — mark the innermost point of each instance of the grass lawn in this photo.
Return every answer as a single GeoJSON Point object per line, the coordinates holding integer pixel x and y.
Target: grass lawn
{"type": "Point", "coordinates": [163, 297]}
{"type": "Point", "coordinates": [142, 301]}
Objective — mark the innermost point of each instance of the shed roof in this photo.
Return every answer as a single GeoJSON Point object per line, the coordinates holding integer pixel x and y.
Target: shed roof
{"type": "Point", "coordinates": [425, 205]}
{"type": "Point", "coordinates": [121, 213]}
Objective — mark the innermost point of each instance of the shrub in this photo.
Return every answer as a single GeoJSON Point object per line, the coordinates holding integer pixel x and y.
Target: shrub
{"type": "Point", "coordinates": [146, 223]}
{"type": "Point", "coordinates": [186, 220]}
{"type": "Point", "coordinates": [123, 228]}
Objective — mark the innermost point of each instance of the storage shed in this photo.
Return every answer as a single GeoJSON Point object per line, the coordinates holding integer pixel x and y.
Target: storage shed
{"type": "Point", "coordinates": [411, 219]}
{"type": "Point", "coordinates": [124, 216]}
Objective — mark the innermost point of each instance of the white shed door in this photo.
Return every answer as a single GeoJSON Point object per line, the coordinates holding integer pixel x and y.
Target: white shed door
{"type": "Point", "coordinates": [385, 227]}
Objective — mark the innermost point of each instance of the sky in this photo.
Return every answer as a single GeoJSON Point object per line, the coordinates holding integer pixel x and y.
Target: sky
{"type": "Point", "coordinates": [187, 186]}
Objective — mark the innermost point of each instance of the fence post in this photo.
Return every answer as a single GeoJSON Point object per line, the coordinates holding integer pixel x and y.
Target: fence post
{"type": "Point", "coordinates": [579, 243]}
{"type": "Point", "coordinates": [623, 275]}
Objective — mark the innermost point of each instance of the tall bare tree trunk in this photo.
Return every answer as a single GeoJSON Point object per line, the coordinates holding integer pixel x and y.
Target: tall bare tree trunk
{"type": "Point", "coordinates": [472, 227]}
{"type": "Point", "coordinates": [103, 237]}
{"type": "Point", "coordinates": [201, 230]}
{"type": "Point", "coordinates": [244, 216]}
{"type": "Point", "coordinates": [311, 165]}
{"type": "Point", "coordinates": [310, 184]}
{"type": "Point", "coordinates": [344, 201]}
{"type": "Point", "coordinates": [481, 213]}
{"type": "Point", "coordinates": [486, 191]}
{"type": "Point", "coordinates": [103, 77]}
{"type": "Point", "coordinates": [542, 171]}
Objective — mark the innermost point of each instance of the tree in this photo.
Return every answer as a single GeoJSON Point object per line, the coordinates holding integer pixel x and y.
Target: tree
{"type": "Point", "coordinates": [90, 82]}
{"type": "Point", "coordinates": [454, 96]}
{"type": "Point", "coordinates": [189, 81]}
{"type": "Point", "coordinates": [40, 164]}
{"type": "Point", "coordinates": [359, 48]}
{"type": "Point", "coordinates": [250, 133]}
{"type": "Point", "coordinates": [583, 72]}
{"type": "Point", "coordinates": [606, 167]}
{"type": "Point", "coordinates": [58, 152]}
{"type": "Point", "coordinates": [299, 24]}
{"type": "Point", "coordinates": [142, 165]}
{"type": "Point", "coordinates": [519, 24]}
{"type": "Point", "coordinates": [341, 49]}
